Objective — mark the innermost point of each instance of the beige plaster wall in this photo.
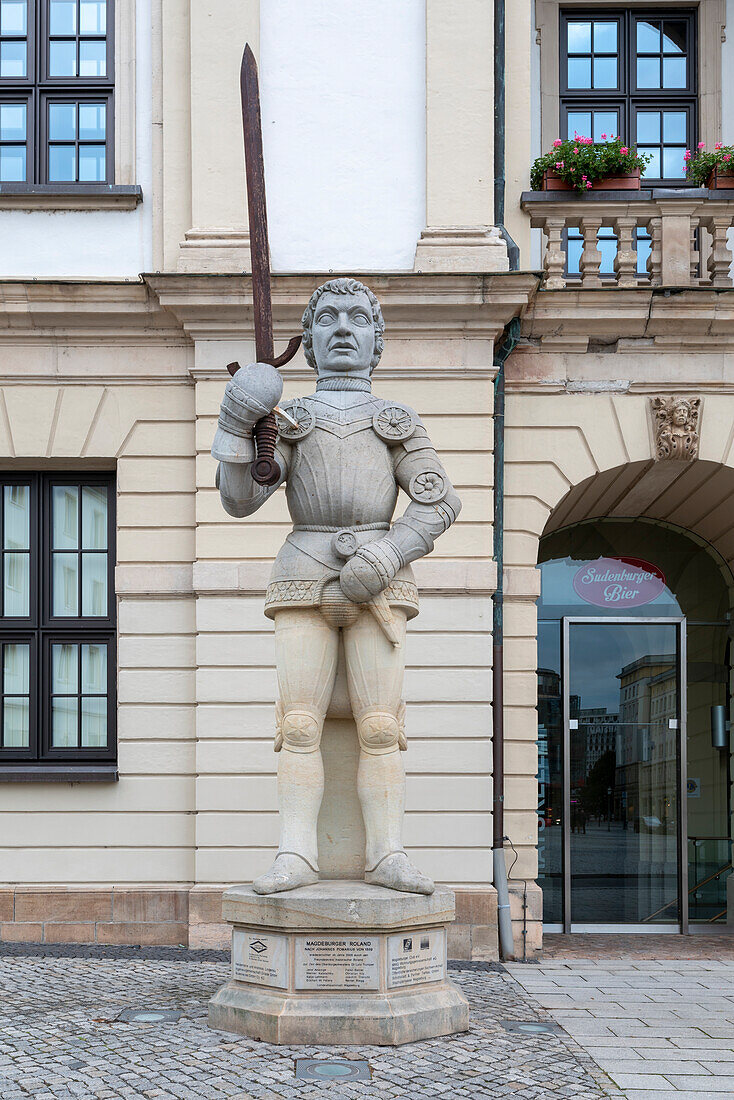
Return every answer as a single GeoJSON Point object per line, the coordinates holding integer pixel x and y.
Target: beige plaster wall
{"type": "Point", "coordinates": [103, 376]}
{"type": "Point", "coordinates": [139, 829]}
{"type": "Point", "coordinates": [91, 392]}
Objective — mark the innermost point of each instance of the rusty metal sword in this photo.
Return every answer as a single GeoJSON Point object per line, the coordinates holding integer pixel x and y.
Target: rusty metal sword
{"type": "Point", "coordinates": [265, 469]}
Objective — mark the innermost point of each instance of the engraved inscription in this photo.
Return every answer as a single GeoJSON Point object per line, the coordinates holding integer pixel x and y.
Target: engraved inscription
{"type": "Point", "coordinates": [337, 962]}
{"type": "Point", "coordinates": [416, 957]}
{"type": "Point", "coordinates": [260, 959]}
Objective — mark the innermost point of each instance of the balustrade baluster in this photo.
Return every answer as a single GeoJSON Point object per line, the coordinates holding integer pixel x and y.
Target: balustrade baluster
{"type": "Point", "coordinates": [554, 263]}
{"type": "Point", "coordinates": [695, 254]}
{"type": "Point", "coordinates": [655, 259]}
{"type": "Point", "coordinates": [590, 261]}
{"type": "Point", "coordinates": [625, 262]}
{"type": "Point", "coordinates": [719, 260]}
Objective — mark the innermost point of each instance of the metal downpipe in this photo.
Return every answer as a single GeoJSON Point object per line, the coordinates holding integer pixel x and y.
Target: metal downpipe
{"type": "Point", "coordinates": [513, 252]}
{"type": "Point", "coordinates": [499, 866]}
{"type": "Point", "coordinates": [504, 349]}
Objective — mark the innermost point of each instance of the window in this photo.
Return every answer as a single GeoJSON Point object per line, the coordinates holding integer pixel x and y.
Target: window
{"type": "Point", "coordinates": [632, 72]}
{"type": "Point", "coordinates": [56, 91]}
{"type": "Point", "coordinates": [57, 629]}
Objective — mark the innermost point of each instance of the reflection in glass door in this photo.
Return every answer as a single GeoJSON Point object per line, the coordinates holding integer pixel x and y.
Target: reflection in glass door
{"type": "Point", "coordinates": [622, 769]}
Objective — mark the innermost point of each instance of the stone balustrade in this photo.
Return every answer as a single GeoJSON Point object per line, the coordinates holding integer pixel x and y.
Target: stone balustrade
{"type": "Point", "coordinates": [685, 236]}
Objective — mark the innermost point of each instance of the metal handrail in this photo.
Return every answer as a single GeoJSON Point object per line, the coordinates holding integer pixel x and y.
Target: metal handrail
{"type": "Point", "coordinates": [696, 886]}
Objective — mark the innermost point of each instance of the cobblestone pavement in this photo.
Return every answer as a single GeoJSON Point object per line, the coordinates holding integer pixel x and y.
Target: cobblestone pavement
{"type": "Point", "coordinates": [63, 1037]}
{"type": "Point", "coordinates": [662, 1030]}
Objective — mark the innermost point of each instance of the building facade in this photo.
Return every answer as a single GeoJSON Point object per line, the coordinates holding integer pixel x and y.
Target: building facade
{"type": "Point", "coordinates": [137, 774]}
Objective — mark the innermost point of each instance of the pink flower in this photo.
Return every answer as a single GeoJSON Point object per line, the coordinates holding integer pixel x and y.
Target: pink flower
{"type": "Point", "coordinates": [603, 136]}
{"type": "Point", "coordinates": [702, 145]}
{"type": "Point", "coordinates": [624, 149]}
{"type": "Point", "coordinates": [687, 155]}
{"type": "Point", "coordinates": [559, 164]}
{"type": "Point", "coordinates": [576, 149]}
{"type": "Point", "coordinates": [726, 157]}
{"type": "Point", "coordinates": [557, 142]}
{"type": "Point", "coordinates": [718, 145]}
{"type": "Point", "coordinates": [588, 185]}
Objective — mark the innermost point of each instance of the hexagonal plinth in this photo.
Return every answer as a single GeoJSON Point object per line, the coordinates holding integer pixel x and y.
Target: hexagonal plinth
{"type": "Point", "coordinates": [339, 963]}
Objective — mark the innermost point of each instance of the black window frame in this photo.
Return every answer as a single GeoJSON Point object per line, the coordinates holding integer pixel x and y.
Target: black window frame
{"type": "Point", "coordinates": [627, 98]}
{"type": "Point", "coordinates": [37, 89]}
{"type": "Point", "coordinates": [42, 629]}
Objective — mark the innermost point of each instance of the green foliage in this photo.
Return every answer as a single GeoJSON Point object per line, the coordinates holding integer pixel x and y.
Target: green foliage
{"type": "Point", "coordinates": [580, 161]}
{"type": "Point", "coordinates": [701, 164]}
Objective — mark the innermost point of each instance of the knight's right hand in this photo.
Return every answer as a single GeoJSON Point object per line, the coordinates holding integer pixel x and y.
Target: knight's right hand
{"type": "Point", "coordinates": [251, 393]}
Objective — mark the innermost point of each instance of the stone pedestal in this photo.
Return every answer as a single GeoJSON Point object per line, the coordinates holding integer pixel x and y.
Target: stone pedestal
{"type": "Point", "coordinates": [337, 963]}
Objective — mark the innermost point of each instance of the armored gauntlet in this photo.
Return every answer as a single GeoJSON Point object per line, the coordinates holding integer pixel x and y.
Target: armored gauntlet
{"type": "Point", "coordinates": [250, 394]}
{"type": "Point", "coordinates": [370, 570]}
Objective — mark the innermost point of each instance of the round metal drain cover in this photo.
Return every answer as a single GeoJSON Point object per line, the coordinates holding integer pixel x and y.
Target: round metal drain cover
{"type": "Point", "coordinates": [149, 1015]}
{"type": "Point", "coordinates": [531, 1027]}
{"type": "Point", "coordinates": [331, 1069]}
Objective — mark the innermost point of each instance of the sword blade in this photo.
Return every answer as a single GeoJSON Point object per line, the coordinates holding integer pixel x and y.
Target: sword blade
{"type": "Point", "coordinates": [256, 206]}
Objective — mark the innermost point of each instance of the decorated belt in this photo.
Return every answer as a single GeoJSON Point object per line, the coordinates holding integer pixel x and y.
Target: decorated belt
{"type": "Point", "coordinates": [344, 542]}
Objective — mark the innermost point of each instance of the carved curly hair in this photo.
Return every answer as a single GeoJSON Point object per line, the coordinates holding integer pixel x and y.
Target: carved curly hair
{"type": "Point", "coordinates": [342, 286]}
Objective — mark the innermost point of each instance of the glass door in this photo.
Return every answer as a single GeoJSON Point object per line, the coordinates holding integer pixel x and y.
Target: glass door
{"type": "Point", "coordinates": [623, 770]}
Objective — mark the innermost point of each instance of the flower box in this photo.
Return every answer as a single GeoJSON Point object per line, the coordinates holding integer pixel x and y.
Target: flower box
{"type": "Point", "coordinates": [718, 180]}
{"type": "Point", "coordinates": [629, 181]}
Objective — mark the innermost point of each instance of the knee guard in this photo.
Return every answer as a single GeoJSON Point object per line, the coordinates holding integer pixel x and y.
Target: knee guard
{"type": "Point", "coordinates": [298, 729]}
{"type": "Point", "coordinates": [379, 731]}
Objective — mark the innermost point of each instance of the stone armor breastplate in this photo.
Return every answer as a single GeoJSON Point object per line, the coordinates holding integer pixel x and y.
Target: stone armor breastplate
{"type": "Point", "coordinates": [340, 475]}
{"type": "Point", "coordinates": [341, 478]}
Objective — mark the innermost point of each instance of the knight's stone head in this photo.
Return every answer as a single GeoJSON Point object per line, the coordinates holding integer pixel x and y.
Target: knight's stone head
{"type": "Point", "coordinates": [342, 329]}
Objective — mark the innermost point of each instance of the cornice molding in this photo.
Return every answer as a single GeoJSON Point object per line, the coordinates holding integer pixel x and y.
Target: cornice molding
{"type": "Point", "coordinates": [84, 311]}
{"type": "Point", "coordinates": [694, 319]}
{"type": "Point", "coordinates": [469, 306]}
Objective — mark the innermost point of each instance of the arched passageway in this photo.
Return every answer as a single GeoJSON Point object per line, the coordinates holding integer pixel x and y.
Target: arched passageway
{"type": "Point", "coordinates": [634, 699]}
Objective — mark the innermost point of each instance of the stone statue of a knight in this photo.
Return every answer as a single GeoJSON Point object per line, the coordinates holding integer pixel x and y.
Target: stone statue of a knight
{"type": "Point", "coordinates": [344, 569]}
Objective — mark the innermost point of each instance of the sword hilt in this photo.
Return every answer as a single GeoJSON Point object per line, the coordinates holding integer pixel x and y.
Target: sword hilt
{"type": "Point", "coordinates": [265, 470]}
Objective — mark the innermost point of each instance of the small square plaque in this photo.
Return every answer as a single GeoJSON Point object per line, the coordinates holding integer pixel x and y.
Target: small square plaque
{"type": "Point", "coordinates": [337, 962]}
{"type": "Point", "coordinates": [416, 957]}
{"type": "Point", "coordinates": [260, 959]}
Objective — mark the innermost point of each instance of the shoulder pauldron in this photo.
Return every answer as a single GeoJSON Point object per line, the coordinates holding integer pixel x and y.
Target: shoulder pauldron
{"type": "Point", "coordinates": [394, 423]}
{"type": "Point", "coordinates": [302, 414]}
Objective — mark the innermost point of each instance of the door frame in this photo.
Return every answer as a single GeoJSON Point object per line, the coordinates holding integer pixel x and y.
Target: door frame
{"type": "Point", "coordinates": [681, 771]}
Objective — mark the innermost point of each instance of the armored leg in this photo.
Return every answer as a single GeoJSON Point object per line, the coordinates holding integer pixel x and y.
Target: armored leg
{"type": "Point", "coordinates": [306, 649]}
{"type": "Point", "coordinates": [375, 676]}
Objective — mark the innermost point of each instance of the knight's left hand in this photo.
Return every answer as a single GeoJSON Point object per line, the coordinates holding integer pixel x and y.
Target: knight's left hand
{"type": "Point", "coordinates": [369, 571]}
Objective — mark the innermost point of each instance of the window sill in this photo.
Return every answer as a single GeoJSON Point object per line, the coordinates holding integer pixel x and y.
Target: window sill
{"type": "Point", "coordinates": [58, 773]}
{"type": "Point", "coordinates": [69, 196]}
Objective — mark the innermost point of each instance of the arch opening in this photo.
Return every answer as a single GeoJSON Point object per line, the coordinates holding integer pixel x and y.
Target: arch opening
{"type": "Point", "coordinates": [635, 701]}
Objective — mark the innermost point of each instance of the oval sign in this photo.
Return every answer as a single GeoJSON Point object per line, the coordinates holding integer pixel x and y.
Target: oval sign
{"type": "Point", "coordinates": [618, 582]}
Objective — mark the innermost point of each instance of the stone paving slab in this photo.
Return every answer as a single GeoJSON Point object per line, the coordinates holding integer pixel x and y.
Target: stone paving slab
{"type": "Point", "coordinates": [63, 1037]}
{"type": "Point", "coordinates": [678, 1043]}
